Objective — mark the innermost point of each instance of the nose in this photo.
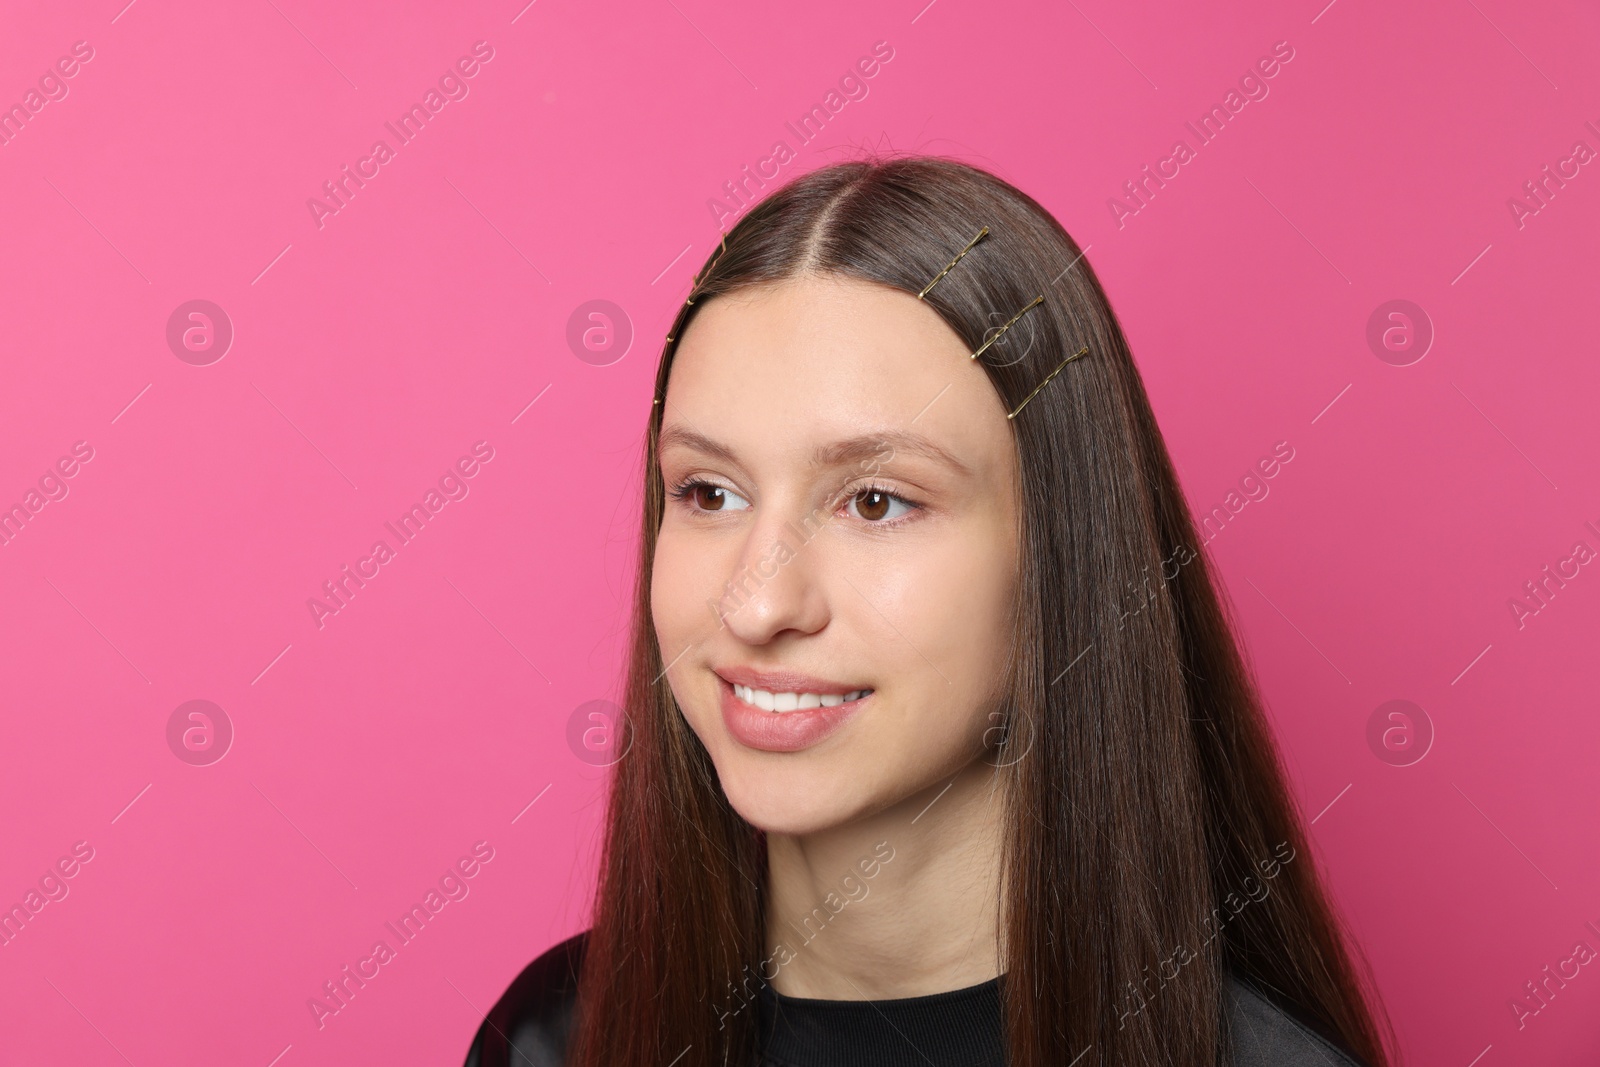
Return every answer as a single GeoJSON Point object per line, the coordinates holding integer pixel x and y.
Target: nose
{"type": "Point", "coordinates": [773, 586]}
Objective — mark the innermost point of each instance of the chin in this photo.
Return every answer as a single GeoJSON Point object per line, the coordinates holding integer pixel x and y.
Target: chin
{"type": "Point", "coordinates": [786, 795]}
{"type": "Point", "coordinates": [794, 792]}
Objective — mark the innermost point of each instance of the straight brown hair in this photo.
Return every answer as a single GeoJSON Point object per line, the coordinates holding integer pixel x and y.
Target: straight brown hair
{"type": "Point", "coordinates": [1145, 793]}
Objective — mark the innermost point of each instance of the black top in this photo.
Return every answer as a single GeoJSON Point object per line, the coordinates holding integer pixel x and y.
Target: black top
{"type": "Point", "coordinates": [962, 1028]}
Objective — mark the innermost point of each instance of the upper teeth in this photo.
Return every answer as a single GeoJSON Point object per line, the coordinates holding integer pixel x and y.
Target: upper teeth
{"type": "Point", "coordinates": [767, 701]}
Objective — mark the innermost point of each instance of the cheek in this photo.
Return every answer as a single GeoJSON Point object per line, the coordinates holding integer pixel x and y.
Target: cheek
{"type": "Point", "coordinates": [667, 592]}
{"type": "Point", "coordinates": [678, 590]}
{"type": "Point", "coordinates": [950, 609]}
{"type": "Point", "coordinates": [958, 597]}
{"type": "Point", "coordinates": [683, 585]}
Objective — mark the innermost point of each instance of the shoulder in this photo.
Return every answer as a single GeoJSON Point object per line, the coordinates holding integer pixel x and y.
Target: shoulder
{"type": "Point", "coordinates": [528, 1025]}
{"type": "Point", "coordinates": [1266, 1035]}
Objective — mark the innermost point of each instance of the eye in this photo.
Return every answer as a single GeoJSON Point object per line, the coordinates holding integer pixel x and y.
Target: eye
{"type": "Point", "coordinates": [702, 496]}
{"type": "Point", "coordinates": [874, 503]}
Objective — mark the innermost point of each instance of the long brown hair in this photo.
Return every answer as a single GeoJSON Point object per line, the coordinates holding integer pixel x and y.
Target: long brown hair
{"type": "Point", "coordinates": [1146, 804]}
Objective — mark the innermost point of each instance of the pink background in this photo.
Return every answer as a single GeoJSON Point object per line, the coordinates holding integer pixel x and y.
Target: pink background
{"type": "Point", "coordinates": [432, 309]}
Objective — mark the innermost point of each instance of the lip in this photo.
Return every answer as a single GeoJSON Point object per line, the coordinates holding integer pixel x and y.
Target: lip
{"type": "Point", "coordinates": [785, 681]}
{"type": "Point", "coordinates": [786, 731]}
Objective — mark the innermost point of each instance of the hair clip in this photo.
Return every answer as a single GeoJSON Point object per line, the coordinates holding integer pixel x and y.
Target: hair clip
{"type": "Point", "coordinates": [1036, 302]}
{"type": "Point", "coordinates": [1082, 351]}
{"type": "Point", "coordinates": [696, 285]}
{"type": "Point", "coordinates": [981, 235]}
{"type": "Point", "coordinates": [713, 263]}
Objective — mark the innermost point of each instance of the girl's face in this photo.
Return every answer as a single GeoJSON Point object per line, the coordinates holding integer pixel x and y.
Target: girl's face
{"type": "Point", "coordinates": [841, 520]}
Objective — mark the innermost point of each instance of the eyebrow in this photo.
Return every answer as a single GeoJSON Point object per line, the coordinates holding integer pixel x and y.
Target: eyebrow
{"type": "Point", "coordinates": [834, 454]}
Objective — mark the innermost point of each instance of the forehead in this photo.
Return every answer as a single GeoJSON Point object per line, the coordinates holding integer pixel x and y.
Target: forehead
{"type": "Point", "coordinates": [786, 367]}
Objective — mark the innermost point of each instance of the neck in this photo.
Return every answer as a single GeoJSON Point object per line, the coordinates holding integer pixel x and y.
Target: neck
{"type": "Point", "coordinates": [902, 903]}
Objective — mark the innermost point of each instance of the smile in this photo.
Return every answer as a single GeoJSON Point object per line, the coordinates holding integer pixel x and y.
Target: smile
{"type": "Point", "coordinates": [786, 721]}
{"type": "Point", "coordinates": [781, 702]}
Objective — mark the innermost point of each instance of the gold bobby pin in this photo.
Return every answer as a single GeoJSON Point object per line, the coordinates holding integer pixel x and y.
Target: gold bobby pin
{"type": "Point", "coordinates": [1036, 302]}
{"type": "Point", "coordinates": [981, 235]}
{"type": "Point", "coordinates": [696, 284]}
{"type": "Point", "coordinates": [1082, 351]}
{"type": "Point", "coordinates": [713, 263]}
